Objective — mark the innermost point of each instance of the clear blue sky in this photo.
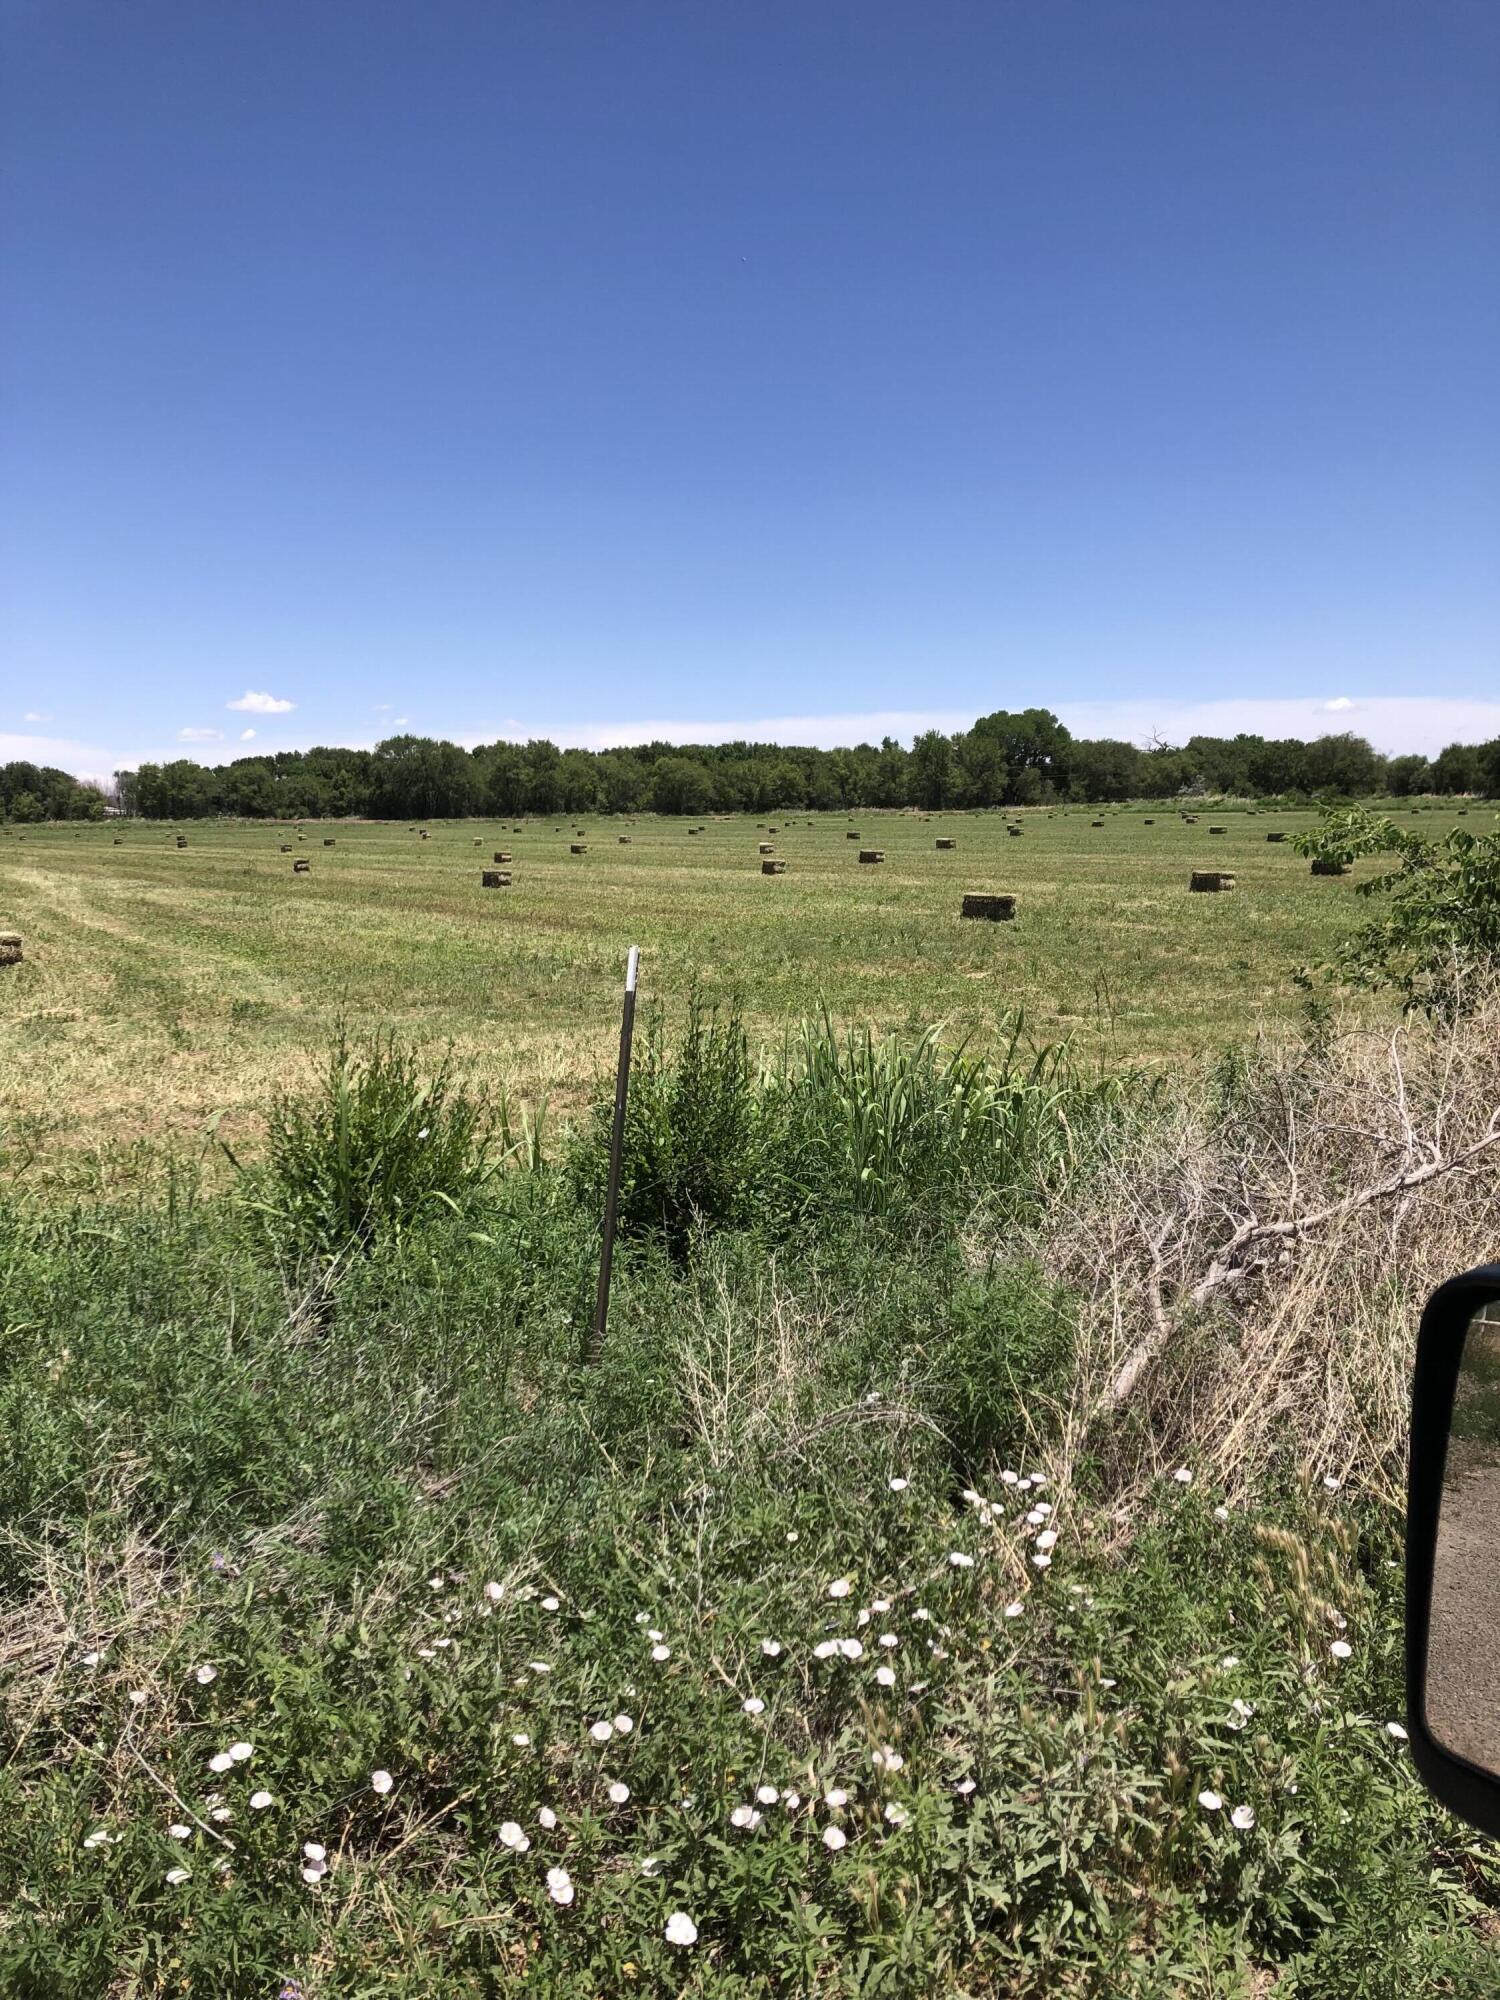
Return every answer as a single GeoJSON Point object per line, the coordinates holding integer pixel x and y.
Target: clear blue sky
{"type": "Point", "coordinates": [528, 364]}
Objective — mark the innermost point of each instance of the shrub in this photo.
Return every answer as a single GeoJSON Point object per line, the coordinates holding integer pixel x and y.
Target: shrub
{"type": "Point", "coordinates": [1438, 933]}
{"type": "Point", "coordinates": [376, 1148]}
{"type": "Point", "coordinates": [693, 1140]}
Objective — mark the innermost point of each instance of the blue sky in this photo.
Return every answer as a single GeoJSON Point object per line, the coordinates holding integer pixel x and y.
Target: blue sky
{"type": "Point", "coordinates": [599, 370]}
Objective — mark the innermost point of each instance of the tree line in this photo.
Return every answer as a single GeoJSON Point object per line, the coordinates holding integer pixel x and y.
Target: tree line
{"type": "Point", "coordinates": [1005, 759]}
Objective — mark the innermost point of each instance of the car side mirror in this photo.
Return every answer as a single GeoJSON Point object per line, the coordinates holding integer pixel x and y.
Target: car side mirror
{"type": "Point", "coordinates": [1453, 1549]}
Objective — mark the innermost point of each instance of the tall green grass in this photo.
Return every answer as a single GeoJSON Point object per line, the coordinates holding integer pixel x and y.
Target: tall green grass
{"type": "Point", "coordinates": [839, 1122]}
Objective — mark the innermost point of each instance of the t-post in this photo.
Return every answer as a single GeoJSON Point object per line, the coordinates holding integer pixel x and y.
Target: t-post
{"type": "Point", "coordinates": [595, 1344]}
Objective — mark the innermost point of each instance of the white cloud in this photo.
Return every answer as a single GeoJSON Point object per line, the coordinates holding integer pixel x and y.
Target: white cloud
{"type": "Point", "coordinates": [32, 716]}
{"type": "Point", "coordinates": [400, 721]}
{"type": "Point", "coordinates": [247, 736]}
{"type": "Point", "coordinates": [200, 735]}
{"type": "Point", "coordinates": [383, 707]}
{"type": "Point", "coordinates": [251, 703]}
{"type": "Point", "coordinates": [1393, 723]}
{"type": "Point", "coordinates": [82, 759]}
{"type": "Point", "coordinates": [1337, 706]}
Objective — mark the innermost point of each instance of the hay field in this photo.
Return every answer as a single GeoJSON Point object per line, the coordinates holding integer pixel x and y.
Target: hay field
{"type": "Point", "coordinates": [162, 985]}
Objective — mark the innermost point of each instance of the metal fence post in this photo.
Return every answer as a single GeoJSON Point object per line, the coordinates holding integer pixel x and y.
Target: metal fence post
{"type": "Point", "coordinates": [595, 1344]}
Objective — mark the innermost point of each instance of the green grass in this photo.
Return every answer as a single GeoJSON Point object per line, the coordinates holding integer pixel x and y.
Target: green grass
{"type": "Point", "coordinates": [163, 986]}
{"type": "Point", "coordinates": [304, 1460]}
{"type": "Point", "coordinates": [192, 1479]}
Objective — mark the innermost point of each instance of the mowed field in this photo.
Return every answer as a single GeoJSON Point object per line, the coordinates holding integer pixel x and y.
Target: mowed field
{"type": "Point", "coordinates": [162, 985]}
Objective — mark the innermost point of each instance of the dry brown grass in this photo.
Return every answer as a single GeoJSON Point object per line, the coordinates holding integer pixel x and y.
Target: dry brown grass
{"type": "Point", "coordinates": [1254, 1259]}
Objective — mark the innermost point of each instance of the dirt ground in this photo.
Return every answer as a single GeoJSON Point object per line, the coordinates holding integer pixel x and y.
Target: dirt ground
{"type": "Point", "coordinates": [1463, 1657]}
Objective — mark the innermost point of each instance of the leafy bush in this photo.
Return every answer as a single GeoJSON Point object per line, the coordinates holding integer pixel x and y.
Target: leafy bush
{"type": "Point", "coordinates": [1439, 933]}
{"type": "Point", "coordinates": [693, 1142]}
{"type": "Point", "coordinates": [377, 1148]}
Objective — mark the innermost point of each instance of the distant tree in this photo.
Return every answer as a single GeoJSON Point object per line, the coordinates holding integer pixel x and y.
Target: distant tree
{"type": "Point", "coordinates": [680, 785]}
{"type": "Point", "coordinates": [1103, 769]}
{"type": "Point", "coordinates": [542, 760]}
{"type": "Point", "coordinates": [932, 770]}
{"type": "Point", "coordinates": [1345, 764]}
{"type": "Point", "coordinates": [1408, 776]}
{"type": "Point", "coordinates": [1457, 769]}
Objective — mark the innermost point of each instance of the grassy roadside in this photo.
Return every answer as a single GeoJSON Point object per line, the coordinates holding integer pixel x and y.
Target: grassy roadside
{"type": "Point", "coordinates": [1039, 1716]}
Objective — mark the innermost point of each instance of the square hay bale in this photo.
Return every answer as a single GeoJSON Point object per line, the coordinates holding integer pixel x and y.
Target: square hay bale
{"type": "Point", "coordinates": [945, 846]}
{"type": "Point", "coordinates": [327, 842]}
{"type": "Point", "coordinates": [286, 847]}
{"type": "Point", "coordinates": [425, 834]}
{"type": "Point", "coordinates": [578, 847]}
{"type": "Point", "coordinates": [1015, 832]}
{"type": "Point", "coordinates": [10, 947]}
{"type": "Point", "coordinates": [1322, 865]}
{"type": "Point", "coordinates": [494, 878]}
{"type": "Point", "coordinates": [851, 834]}
{"type": "Point", "coordinates": [1148, 822]}
{"type": "Point", "coordinates": [1218, 829]}
{"type": "Point", "coordinates": [182, 840]}
{"type": "Point", "coordinates": [765, 847]}
{"type": "Point", "coordinates": [872, 854]}
{"type": "Point", "coordinates": [623, 838]}
{"type": "Point", "coordinates": [1273, 838]}
{"type": "Point", "coordinates": [1096, 822]}
{"type": "Point", "coordinates": [692, 830]}
{"type": "Point", "coordinates": [1190, 819]}
{"type": "Point", "coordinates": [1210, 881]}
{"type": "Point", "coordinates": [302, 867]}
{"type": "Point", "coordinates": [994, 909]}
{"type": "Point", "coordinates": [773, 868]}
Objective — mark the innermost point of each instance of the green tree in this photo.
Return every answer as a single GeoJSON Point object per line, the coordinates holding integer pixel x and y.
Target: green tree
{"type": "Point", "coordinates": [932, 770]}
{"type": "Point", "coordinates": [1438, 929]}
{"type": "Point", "coordinates": [680, 785]}
{"type": "Point", "coordinates": [1345, 764]}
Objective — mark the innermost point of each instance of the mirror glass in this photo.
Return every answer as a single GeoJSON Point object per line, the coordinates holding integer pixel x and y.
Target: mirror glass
{"type": "Point", "coordinates": [1463, 1638]}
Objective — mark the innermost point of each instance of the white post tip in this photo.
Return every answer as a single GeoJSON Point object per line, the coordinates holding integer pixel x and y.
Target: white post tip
{"type": "Point", "coordinates": [632, 967]}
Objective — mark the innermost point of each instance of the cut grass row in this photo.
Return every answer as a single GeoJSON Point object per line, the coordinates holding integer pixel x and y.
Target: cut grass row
{"type": "Point", "coordinates": [163, 985]}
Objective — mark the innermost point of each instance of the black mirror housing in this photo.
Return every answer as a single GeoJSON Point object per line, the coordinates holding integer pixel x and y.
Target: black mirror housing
{"type": "Point", "coordinates": [1465, 1787]}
